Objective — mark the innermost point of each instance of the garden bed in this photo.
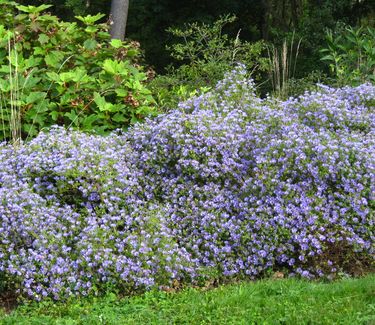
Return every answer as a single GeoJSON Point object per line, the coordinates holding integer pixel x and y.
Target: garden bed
{"type": "Point", "coordinates": [229, 186]}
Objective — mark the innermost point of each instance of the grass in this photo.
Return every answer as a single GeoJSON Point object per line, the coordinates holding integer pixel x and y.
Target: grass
{"type": "Point", "coordinates": [282, 66]}
{"type": "Point", "coordinates": [289, 301]}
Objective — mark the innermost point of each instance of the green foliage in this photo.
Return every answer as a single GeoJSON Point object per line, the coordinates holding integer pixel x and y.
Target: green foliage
{"type": "Point", "coordinates": [67, 9]}
{"type": "Point", "coordinates": [169, 90]}
{"type": "Point", "coordinates": [67, 73]}
{"type": "Point", "coordinates": [271, 20]}
{"type": "Point", "coordinates": [349, 301]}
{"type": "Point", "coordinates": [350, 53]}
{"type": "Point", "coordinates": [205, 54]}
{"type": "Point", "coordinates": [297, 87]}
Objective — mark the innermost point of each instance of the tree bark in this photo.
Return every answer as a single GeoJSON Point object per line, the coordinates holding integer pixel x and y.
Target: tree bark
{"type": "Point", "coordinates": [265, 21]}
{"type": "Point", "coordinates": [118, 18]}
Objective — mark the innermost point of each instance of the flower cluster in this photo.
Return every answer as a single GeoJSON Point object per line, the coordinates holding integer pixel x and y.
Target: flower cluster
{"type": "Point", "coordinates": [226, 185]}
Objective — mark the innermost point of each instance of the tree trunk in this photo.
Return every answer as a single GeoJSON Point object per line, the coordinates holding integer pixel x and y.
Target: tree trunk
{"type": "Point", "coordinates": [118, 18]}
{"type": "Point", "coordinates": [265, 21]}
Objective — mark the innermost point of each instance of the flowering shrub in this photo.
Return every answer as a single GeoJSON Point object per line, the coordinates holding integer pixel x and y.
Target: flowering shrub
{"type": "Point", "coordinates": [66, 73]}
{"type": "Point", "coordinates": [227, 185]}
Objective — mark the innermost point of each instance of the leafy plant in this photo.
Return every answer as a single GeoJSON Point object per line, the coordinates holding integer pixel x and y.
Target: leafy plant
{"type": "Point", "coordinates": [205, 53]}
{"type": "Point", "coordinates": [67, 74]}
{"type": "Point", "coordinates": [311, 82]}
{"type": "Point", "coordinates": [350, 54]}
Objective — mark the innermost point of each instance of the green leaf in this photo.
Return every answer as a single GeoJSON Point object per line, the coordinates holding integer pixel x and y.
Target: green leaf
{"type": "Point", "coordinates": [43, 39]}
{"type": "Point", "coordinates": [89, 20]}
{"type": "Point", "coordinates": [54, 115]}
{"type": "Point", "coordinates": [118, 117]}
{"type": "Point", "coordinates": [101, 130]}
{"type": "Point", "coordinates": [40, 107]}
{"type": "Point", "coordinates": [31, 83]}
{"type": "Point", "coordinates": [14, 58]}
{"type": "Point", "coordinates": [30, 129]}
{"type": "Point", "coordinates": [36, 117]}
{"type": "Point", "coordinates": [79, 74]}
{"type": "Point", "coordinates": [87, 121]}
{"type": "Point", "coordinates": [31, 63]}
{"type": "Point", "coordinates": [110, 66]}
{"type": "Point", "coordinates": [33, 9]}
{"type": "Point", "coordinates": [99, 100]}
{"type": "Point", "coordinates": [90, 44]}
{"type": "Point", "coordinates": [131, 53]}
{"type": "Point", "coordinates": [102, 104]}
{"type": "Point", "coordinates": [39, 50]}
{"type": "Point", "coordinates": [121, 92]}
{"type": "Point", "coordinates": [35, 97]}
{"type": "Point", "coordinates": [4, 85]}
{"type": "Point", "coordinates": [116, 43]}
{"type": "Point", "coordinates": [54, 58]}
{"type": "Point", "coordinates": [72, 116]}
{"type": "Point", "coordinates": [67, 76]}
{"type": "Point", "coordinates": [91, 29]}
{"type": "Point", "coordinates": [48, 18]}
{"type": "Point", "coordinates": [53, 76]}
{"type": "Point", "coordinates": [7, 2]}
{"type": "Point", "coordinates": [328, 58]}
{"type": "Point", "coordinates": [134, 120]}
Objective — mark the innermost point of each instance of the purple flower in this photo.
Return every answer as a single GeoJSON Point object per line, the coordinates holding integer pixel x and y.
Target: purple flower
{"type": "Point", "coordinates": [227, 184]}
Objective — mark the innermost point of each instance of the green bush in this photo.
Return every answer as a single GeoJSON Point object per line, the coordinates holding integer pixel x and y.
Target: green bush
{"type": "Point", "coordinates": [72, 74]}
{"type": "Point", "coordinates": [311, 82]}
{"type": "Point", "coordinates": [205, 55]}
{"type": "Point", "coordinates": [350, 53]}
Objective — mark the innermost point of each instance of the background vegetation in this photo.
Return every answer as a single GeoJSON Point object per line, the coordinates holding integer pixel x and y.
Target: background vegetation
{"type": "Point", "coordinates": [306, 24]}
{"type": "Point", "coordinates": [270, 20]}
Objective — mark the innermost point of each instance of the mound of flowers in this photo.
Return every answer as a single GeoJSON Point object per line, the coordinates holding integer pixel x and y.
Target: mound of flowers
{"type": "Point", "coordinates": [228, 185]}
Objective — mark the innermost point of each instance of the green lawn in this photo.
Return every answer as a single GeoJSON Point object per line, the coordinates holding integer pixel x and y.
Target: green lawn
{"type": "Point", "coordinates": [350, 301]}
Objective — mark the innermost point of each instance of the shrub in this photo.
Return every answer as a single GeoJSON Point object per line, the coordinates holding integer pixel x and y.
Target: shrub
{"type": "Point", "coordinates": [204, 54]}
{"type": "Point", "coordinates": [227, 186]}
{"type": "Point", "coordinates": [350, 53]}
{"type": "Point", "coordinates": [54, 72]}
{"type": "Point", "coordinates": [311, 82]}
